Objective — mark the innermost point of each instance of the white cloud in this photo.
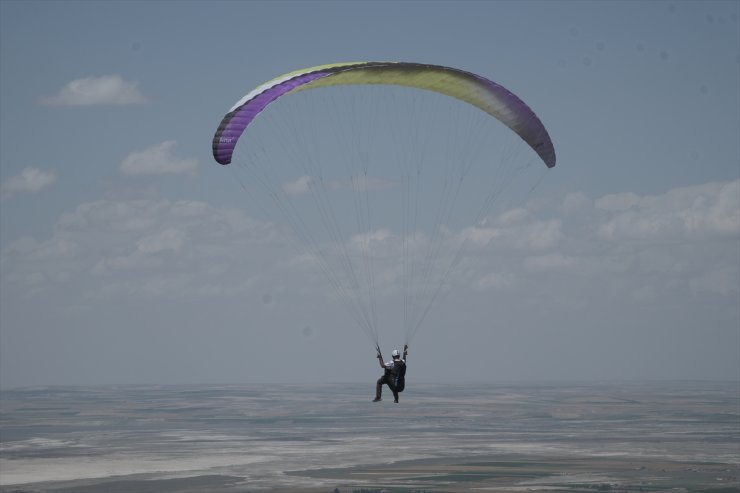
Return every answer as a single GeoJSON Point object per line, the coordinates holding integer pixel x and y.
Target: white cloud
{"type": "Point", "coordinates": [367, 240]}
{"type": "Point", "coordinates": [618, 202]}
{"type": "Point", "coordinates": [141, 246]}
{"type": "Point", "coordinates": [501, 282]}
{"type": "Point", "coordinates": [169, 239]}
{"type": "Point", "coordinates": [157, 160]}
{"type": "Point", "coordinates": [532, 235]}
{"type": "Point", "coordinates": [298, 187]}
{"type": "Point", "coordinates": [644, 245]}
{"type": "Point", "coordinates": [362, 183]}
{"type": "Point", "coordinates": [103, 90]}
{"type": "Point", "coordinates": [683, 241]}
{"type": "Point", "coordinates": [682, 213]}
{"type": "Point", "coordinates": [574, 203]}
{"type": "Point", "coordinates": [29, 180]}
{"type": "Point", "coordinates": [508, 218]}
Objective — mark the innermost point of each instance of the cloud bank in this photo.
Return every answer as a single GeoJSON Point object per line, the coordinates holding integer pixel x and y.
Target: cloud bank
{"type": "Point", "coordinates": [661, 243]}
{"type": "Point", "coordinates": [685, 240]}
{"type": "Point", "coordinates": [30, 180]}
{"type": "Point", "coordinates": [103, 90]}
{"type": "Point", "coordinates": [134, 248]}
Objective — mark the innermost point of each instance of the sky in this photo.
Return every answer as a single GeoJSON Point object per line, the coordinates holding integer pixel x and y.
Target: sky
{"type": "Point", "coordinates": [127, 255]}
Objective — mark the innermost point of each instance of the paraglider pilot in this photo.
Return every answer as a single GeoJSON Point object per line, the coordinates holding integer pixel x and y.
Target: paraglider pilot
{"type": "Point", "coordinates": [395, 373]}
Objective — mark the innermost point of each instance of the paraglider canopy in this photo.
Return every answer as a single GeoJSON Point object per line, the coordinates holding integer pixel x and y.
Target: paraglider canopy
{"type": "Point", "coordinates": [483, 93]}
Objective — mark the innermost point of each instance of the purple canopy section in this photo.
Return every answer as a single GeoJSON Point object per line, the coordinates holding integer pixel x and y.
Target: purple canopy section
{"type": "Point", "coordinates": [235, 122]}
{"type": "Point", "coordinates": [518, 116]}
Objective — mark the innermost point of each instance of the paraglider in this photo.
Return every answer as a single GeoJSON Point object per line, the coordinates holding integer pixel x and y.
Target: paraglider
{"type": "Point", "coordinates": [394, 375]}
{"type": "Point", "coordinates": [328, 168]}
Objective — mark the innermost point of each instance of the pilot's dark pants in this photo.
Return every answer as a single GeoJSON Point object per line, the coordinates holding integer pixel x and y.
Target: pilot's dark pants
{"type": "Point", "coordinates": [388, 380]}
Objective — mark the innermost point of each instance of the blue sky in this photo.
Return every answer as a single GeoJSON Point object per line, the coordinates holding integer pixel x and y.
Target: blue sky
{"type": "Point", "coordinates": [128, 255]}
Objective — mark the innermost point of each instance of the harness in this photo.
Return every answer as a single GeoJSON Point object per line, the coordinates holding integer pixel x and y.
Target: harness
{"type": "Point", "coordinates": [398, 375]}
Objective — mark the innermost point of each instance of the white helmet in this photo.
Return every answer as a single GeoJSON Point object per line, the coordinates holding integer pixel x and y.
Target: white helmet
{"type": "Point", "coordinates": [396, 354]}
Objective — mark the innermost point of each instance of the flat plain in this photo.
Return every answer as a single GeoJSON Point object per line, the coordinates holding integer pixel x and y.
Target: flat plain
{"type": "Point", "coordinates": [575, 437]}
